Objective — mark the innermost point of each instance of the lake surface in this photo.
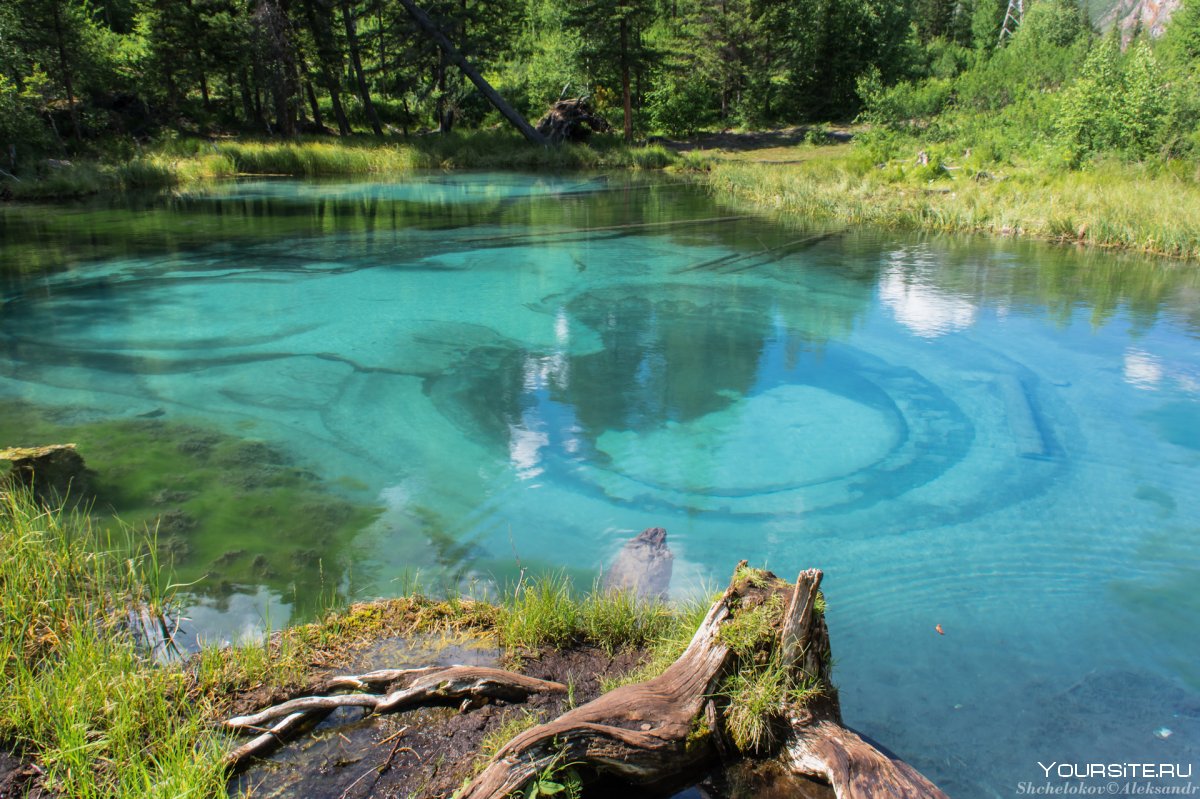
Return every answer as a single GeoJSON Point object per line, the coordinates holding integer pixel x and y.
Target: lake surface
{"type": "Point", "coordinates": [322, 389]}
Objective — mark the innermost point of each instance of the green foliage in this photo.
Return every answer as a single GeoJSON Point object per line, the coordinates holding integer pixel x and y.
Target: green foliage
{"type": "Point", "coordinates": [986, 19]}
{"type": "Point", "coordinates": [1052, 23]}
{"type": "Point", "coordinates": [681, 104]}
{"type": "Point", "coordinates": [1116, 104]}
{"type": "Point", "coordinates": [559, 779]}
{"type": "Point", "coordinates": [21, 130]}
{"type": "Point", "coordinates": [1182, 39]}
{"type": "Point", "coordinates": [906, 104]}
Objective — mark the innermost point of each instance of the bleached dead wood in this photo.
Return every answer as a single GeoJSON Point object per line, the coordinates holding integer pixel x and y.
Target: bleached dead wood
{"type": "Point", "coordinates": [416, 687]}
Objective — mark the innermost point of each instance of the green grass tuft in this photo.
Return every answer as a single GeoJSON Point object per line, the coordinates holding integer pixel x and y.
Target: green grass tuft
{"type": "Point", "coordinates": [101, 718]}
{"type": "Point", "coordinates": [752, 630]}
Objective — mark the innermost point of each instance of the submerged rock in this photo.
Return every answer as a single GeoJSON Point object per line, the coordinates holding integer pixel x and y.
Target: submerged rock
{"type": "Point", "coordinates": [54, 473]}
{"type": "Point", "coordinates": [643, 566]}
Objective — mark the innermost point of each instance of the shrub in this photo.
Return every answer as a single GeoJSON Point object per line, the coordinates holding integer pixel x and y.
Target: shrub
{"type": "Point", "coordinates": [1113, 105]}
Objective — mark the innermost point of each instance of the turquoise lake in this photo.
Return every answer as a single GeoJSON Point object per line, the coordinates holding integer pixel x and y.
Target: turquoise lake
{"type": "Point", "coordinates": [507, 371]}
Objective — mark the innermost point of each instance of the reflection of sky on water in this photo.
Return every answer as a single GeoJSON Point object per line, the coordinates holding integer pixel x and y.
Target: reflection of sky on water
{"type": "Point", "coordinates": [909, 290]}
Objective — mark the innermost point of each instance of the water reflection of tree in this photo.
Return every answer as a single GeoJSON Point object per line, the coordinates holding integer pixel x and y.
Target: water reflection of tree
{"type": "Point", "coordinates": [665, 360]}
{"type": "Point", "coordinates": [1033, 276]}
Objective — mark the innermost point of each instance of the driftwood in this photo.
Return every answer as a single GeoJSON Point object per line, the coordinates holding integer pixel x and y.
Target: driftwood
{"type": "Point", "coordinates": [571, 120]}
{"type": "Point", "coordinates": [662, 733]}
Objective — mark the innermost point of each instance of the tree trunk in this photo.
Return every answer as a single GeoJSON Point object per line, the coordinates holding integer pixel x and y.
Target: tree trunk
{"type": "Point", "coordinates": [65, 64]}
{"type": "Point", "coordinates": [247, 100]}
{"type": "Point", "coordinates": [328, 56]}
{"type": "Point", "coordinates": [204, 92]}
{"type": "Point", "coordinates": [313, 104]}
{"type": "Point", "coordinates": [426, 24]}
{"type": "Point", "coordinates": [445, 118]}
{"type": "Point", "coordinates": [360, 77]}
{"type": "Point", "coordinates": [626, 99]}
{"type": "Point", "coordinates": [198, 55]}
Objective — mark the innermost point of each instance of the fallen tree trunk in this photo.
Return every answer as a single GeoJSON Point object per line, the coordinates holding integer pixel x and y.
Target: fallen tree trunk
{"type": "Point", "coordinates": [755, 681]}
{"type": "Point", "coordinates": [454, 55]}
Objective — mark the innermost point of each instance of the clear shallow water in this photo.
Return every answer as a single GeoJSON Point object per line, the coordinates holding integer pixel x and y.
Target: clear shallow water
{"type": "Point", "coordinates": [1000, 438]}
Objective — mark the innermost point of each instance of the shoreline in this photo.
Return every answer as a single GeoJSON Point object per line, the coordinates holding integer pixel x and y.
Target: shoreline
{"type": "Point", "coordinates": [1110, 207]}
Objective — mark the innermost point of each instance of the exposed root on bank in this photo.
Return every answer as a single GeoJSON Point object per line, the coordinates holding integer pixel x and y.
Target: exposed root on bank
{"type": "Point", "coordinates": [754, 682]}
{"type": "Point", "coordinates": [424, 686]}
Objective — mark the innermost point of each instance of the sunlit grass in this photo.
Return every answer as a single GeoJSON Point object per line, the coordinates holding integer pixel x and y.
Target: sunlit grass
{"type": "Point", "coordinates": [77, 693]}
{"type": "Point", "coordinates": [175, 163]}
{"type": "Point", "coordinates": [1118, 206]}
{"type": "Point", "coordinates": [669, 642]}
{"type": "Point", "coordinates": [546, 612]}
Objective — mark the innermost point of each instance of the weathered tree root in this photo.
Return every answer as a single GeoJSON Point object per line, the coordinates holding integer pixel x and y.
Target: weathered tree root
{"type": "Point", "coordinates": [418, 687]}
{"type": "Point", "coordinates": [663, 732]}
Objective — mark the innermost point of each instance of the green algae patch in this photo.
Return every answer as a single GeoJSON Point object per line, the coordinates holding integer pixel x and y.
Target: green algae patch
{"type": "Point", "coordinates": [223, 511]}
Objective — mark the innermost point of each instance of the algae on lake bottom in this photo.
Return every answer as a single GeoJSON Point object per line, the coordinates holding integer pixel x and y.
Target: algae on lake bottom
{"type": "Point", "coordinates": [201, 490]}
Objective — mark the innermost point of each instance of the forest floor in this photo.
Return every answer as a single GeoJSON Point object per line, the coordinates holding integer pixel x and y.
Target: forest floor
{"type": "Point", "coordinates": [775, 146]}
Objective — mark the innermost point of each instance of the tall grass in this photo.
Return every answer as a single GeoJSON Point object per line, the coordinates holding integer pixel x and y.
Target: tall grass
{"type": "Point", "coordinates": [545, 611]}
{"type": "Point", "coordinates": [1110, 205]}
{"type": "Point", "coordinates": [180, 162]}
{"type": "Point", "coordinates": [101, 719]}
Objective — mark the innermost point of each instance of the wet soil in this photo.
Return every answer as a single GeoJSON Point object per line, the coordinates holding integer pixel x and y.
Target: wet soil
{"type": "Point", "coordinates": [20, 778]}
{"type": "Point", "coordinates": [422, 753]}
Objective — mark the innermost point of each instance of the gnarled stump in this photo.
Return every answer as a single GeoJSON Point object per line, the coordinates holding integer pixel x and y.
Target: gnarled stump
{"type": "Point", "coordinates": [755, 681]}
{"type": "Point", "coordinates": [571, 120]}
{"type": "Point", "coordinates": [664, 732]}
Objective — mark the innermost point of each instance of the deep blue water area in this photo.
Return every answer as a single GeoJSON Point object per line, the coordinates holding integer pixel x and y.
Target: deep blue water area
{"type": "Point", "coordinates": [997, 437]}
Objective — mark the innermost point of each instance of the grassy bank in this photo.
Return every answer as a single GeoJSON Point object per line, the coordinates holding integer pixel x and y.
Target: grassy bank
{"type": "Point", "coordinates": [183, 162]}
{"type": "Point", "coordinates": [1108, 205]}
{"type": "Point", "coordinates": [102, 719]}
{"type": "Point", "coordinates": [77, 695]}
{"type": "Point", "coordinates": [1112, 205]}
